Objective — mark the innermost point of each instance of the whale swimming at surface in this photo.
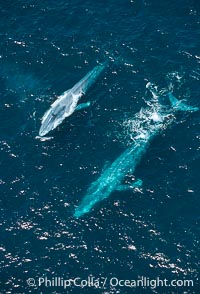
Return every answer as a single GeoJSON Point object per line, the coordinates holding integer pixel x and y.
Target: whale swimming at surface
{"type": "Point", "coordinates": [147, 124]}
{"type": "Point", "coordinates": [66, 104]}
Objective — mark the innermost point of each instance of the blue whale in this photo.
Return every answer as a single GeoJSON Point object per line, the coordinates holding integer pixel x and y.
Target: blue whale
{"type": "Point", "coordinates": [66, 104]}
{"type": "Point", "coordinates": [148, 123]}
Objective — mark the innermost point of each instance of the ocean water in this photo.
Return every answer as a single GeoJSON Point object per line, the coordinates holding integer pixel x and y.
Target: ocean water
{"type": "Point", "coordinates": [153, 233]}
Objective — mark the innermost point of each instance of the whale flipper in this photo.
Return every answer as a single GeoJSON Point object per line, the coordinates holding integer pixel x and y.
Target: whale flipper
{"type": "Point", "coordinates": [83, 105]}
{"type": "Point", "coordinates": [106, 165]}
{"type": "Point", "coordinates": [137, 184]}
{"type": "Point", "coordinates": [123, 188]}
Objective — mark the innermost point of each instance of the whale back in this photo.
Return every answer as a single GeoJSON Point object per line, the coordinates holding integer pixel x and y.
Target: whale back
{"type": "Point", "coordinates": [88, 80]}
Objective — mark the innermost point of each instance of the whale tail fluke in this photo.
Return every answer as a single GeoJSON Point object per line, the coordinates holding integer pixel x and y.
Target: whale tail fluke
{"type": "Point", "coordinates": [178, 105]}
{"type": "Point", "coordinates": [181, 105]}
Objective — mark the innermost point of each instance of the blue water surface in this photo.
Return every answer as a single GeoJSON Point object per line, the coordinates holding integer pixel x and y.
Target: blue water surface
{"type": "Point", "coordinates": [48, 46]}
